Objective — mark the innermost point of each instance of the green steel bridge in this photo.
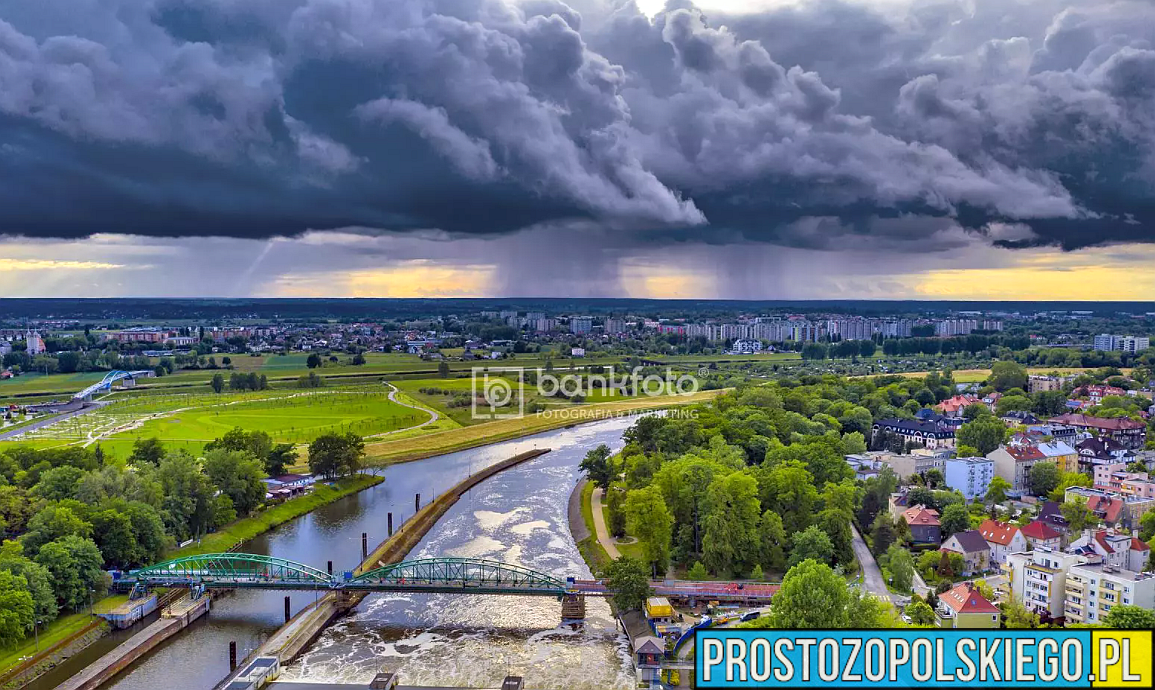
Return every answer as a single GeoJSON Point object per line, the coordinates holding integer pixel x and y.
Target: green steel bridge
{"type": "Point", "coordinates": [434, 575]}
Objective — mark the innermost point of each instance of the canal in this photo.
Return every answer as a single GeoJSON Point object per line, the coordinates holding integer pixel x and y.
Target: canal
{"type": "Point", "coordinates": [518, 516]}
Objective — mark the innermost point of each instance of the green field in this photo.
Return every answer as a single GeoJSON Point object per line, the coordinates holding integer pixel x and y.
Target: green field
{"type": "Point", "coordinates": [189, 421]}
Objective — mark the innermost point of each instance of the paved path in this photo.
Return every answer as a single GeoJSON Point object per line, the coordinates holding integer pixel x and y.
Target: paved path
{"type": "Point", "coordinates": [434, 415]}
{"type": "Point", "coordinates": [872, 574]}
{"type": "Point", "coordinates": [40, 424]}
{"type": "Point", "coordinates": [600, 525]}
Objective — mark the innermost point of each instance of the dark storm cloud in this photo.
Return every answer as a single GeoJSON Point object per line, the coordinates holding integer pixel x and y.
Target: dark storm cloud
{"type": "Point", "coordinates": [807, 126]}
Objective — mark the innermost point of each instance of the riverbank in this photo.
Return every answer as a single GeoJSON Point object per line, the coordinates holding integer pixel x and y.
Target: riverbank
{"type": "Point", "coordinates": [464, 438]}
{"type": "Point", "coordinates": [245, 529]}
{"type": "Point", "coordinates": [582, 527]}
{"type": "Point", "coordinates": [69, 634]}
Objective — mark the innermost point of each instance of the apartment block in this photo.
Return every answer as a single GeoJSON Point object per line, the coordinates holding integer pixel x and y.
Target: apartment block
{"type": "Point", "coordinates": [1092, 589]}
{"type": "Point", "coordinates": [1038, 579]}
{"type": "Point", "coordinates": [970, 476]}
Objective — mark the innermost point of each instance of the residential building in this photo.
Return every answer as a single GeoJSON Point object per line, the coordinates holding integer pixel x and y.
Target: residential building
{"type": "Point", "coordinates": [648, 650]}
{"type": "Point", "coordinates": [1041, 535]}
{"type": "Point", "coordinates": [1097, 451]}
{"type": "Point", "coordinates": [1037, 384]}
{"type": "Point", "coordinates": [615, 326]}
{"type": "Point", "coordinates": [1115, 510]}
{"type": "Point", "coordinates": [1013, 462]}
{"type": "Point", "coordinates": [963, 606]}
{"type": "Point", "coordinates": [1121, 343]}
{"type": "Point", "coordinates": [928, 434]}
{"type": "Point", "coordinates": [1131, 433]}
{"type": "Point", "coordinates": [1113, 548]}
{"type": "Point", "coordinates": [1097, 393]}
{"type": "Point", "coordinates": [913, 463]}
{"type": "Point", "coordinates": [581, 324]}
{"type": "Point", "coordinates": [954, 406]}
{"type": "Point", "coordinates": [1062, 454]}
{"type": "Point", "coordinates": [1038, 579]}
{"type": "Point", "coordinates": [746, 347]}
{"type": "Point", "coordinates": [973, 547]}
{"type": "Point", "coordinates": [1003, 538]}
{"type": "Point", "coordinates": [1019, 418]}
{"type": "Point", "coordinates": [1092, 589]}
{"type": "Point", "coordinates": [577, 352]}
{"type": "Point", "coordinates": [1058, 432]}
{"type": "Point", "coordinates": [969, 476]}
{"type": "Point", "coordinates": [1114, 477]}
{"type": "Point", "coordinates": [924, 525]}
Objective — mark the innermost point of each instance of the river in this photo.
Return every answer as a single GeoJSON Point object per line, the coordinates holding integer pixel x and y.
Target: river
{"type": "Point", "coordinates": [518, 516]}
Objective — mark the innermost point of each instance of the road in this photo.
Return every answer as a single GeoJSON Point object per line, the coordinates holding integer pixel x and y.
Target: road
{"type": "Point", "coordinates": [40, 424]}
{"type": "Point", "coordinates": [600, 525]}
{"type": "Point", "coordinates": [872, 575]}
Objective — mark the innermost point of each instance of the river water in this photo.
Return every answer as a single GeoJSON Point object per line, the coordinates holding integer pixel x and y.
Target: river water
{"type": "Point", "coordinates": [518, 516]}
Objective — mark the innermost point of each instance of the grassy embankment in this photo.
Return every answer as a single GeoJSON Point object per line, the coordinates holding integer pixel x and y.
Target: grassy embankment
{"type": "Point", "coordinates": [591, 550]}
{"type": "Point", "coordinates": [247, 528]}
{"type": "Point", "coordinates": [55, 632]}
{"type": "Point", "coordinates": [438, 442]}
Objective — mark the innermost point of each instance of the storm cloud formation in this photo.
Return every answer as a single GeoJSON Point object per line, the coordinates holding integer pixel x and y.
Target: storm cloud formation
{"type": "Point", "coordinates": [809, 125]}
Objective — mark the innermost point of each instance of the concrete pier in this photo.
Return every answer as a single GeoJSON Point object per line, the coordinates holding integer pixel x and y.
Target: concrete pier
{"type": "Point", "coordinates": [173, 619]}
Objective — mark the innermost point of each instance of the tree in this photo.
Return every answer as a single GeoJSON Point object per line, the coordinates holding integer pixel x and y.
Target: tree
{"type": "Point", "coordinates": [883, 534]}
{"type": "Point", "coordinates": [934, 478]}
{"type": "Point", "coordinates": [1066, 481]}
{"type": "Point", "coordinates": [237, 474]}
{"type": "Point", "coordinates": [1006, 375]}
{"type": "Point", "coordinates": [1014, 403]}
{"type": "Point", "coordinates": [615, 511]}
{"type": "Point", "coordinates": [114, 535]}
{"type": "Point", "coordinates": [75, 565]}
{"type": "Point", "coordinates": [443, 370]}
{"type": "Point", "coordinates": [629, 579]}
{"type": "Point", "coordinates": [17, 610]}
{"type": "Point", "coordinates": [1147, 526]}
{"type": "Point", "coordinates": [756, 572]}
{"type": "Point", "coordinates": [1044, 478]}
{"type": "Point", "coordinates": [58, 483]}
{"type": "Point", "coordinates": [812, 596]}
{"type": "Point", "coordinates": [336, 455]}
{"type": "Point", "coordinates": [54, 521]}
{"type": "Point", "coordinates": [1129, 617]}
{"type": "Point", "coordinates": [731, 514]}
{"type": "Point", "coordinates": [984, 434]}
{"type": "Point", "coordinates": [836, 524]}
{"type": "Point", "coordinates": [598, 467]}
{"type": "Point", "coordinates": [954, 519]}
{"type": "Point", "coordinates": [697, 572]}
{"type": "Point", "coordinates": [313, 361]}
{"type": "Point", "coordinates": [146, 451]}
{"type": "Point", "coordinates": [774, 542]}
{"type": "Point", "coordinates": [920, 613]}
{"type": "Point", "coordinates": [1076, 513]}
{"type": "Point", "coordinates": [187, 506]}
{"type": "Point", "coordinates": [256, 443]}
{"type": "Point", "coordinates": [650, 521]}
{"type": "Point", "coordinates": [37, 579]}
{"type": "Point", "coordinates": [901, 567]}
{"type": "Point", "coordinates": [997, 490]}
{"type": "Point", "coordinates": [218, 383]}
{"type": "Point", "coordinates": [280, 458]}
{"type": "Point", "coordinates": [853, 442]}
{"type": "Point", "coordinates": [811, 544]}
{"type": "Point", "coordinates": [1017, 617]}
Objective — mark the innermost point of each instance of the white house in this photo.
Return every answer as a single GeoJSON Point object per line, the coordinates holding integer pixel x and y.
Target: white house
{"type": "Point", "coordinates": [1003, 538]}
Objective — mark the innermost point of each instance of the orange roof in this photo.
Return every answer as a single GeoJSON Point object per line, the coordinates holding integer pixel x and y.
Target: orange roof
{"type": "Point", "coordinates": [1022, 453]}
{"type": "Point", "coordinates": [1137, 545]}
{"type": "Point", "coordinates": [966, 598]}
{"type": "Point", "coordinates": [998, 532]}
{"type": "Point", "coordinates": [920, 515]}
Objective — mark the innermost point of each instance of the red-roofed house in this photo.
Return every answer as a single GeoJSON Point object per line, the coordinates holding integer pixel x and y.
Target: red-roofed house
{"type": "Point", "coordinates": [953, 407]}
{"type": "Point", "coordinates": [1003, 538]}
{"type": "Point", "coordinates": [1119, 549]}
{"type": "Point", "coordinates": [924, 525]}
{"type": "Point", "coordinates": [963, 606]}
{"type": "Point", "coordinates": [1129, 432]}
{"type": "Point", "coordinates": [1013, 462]}
{"type": "Point", "coordinates": [1040, 535]}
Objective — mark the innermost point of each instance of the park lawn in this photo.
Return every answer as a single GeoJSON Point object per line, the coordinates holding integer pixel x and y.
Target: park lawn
{"type": "Point", "coordinates": [590, 548]}
{"type": "Point", "coordinates": [285, 418]}
{"type": "Point", "coordinates": [402, 450]}
{"type": "Point", "coordinates": [31, 383]}
{"type": "Point", "coordinates": [246, 528]}
{"type": "Point", "coordinates": [980, 375]}
{"type": "Point", "coordinates": [50, 634]}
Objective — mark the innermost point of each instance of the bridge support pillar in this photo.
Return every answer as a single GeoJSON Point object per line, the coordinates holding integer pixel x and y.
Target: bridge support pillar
{"type": "Point", "coordinates": [573, 609]}
{"type": "Point", "coordinates": [232, 655]}
{"type": "Point", "coordinates": [417, 504]}
{"type": "Point", "coordinates": [390, 524]}
{"type": "Point", "coordinates": [288, 611]}
{"type": "Point", "coordinates": [364, 545]}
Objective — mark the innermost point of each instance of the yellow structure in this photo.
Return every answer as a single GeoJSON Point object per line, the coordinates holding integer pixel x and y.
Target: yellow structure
{"type": "Point", "coordinates": [659, 610]}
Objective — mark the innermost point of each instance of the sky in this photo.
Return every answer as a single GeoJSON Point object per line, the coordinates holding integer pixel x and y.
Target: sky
{"type": "Point", "coordinates": [738, 149]}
